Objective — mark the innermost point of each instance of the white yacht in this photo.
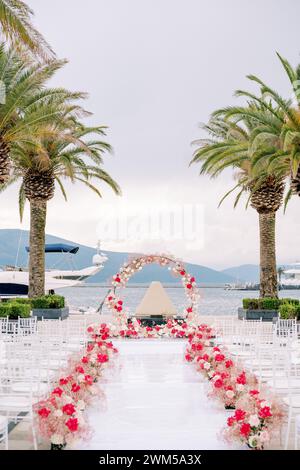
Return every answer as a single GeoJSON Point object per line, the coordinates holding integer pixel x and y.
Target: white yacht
{"type": "Point", "coordinates": [14, 280]}
{"type": "Point", "coordinates": [291, 276]}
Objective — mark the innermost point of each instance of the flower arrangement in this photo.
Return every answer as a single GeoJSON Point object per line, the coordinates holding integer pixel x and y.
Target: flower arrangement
{"type": "Point", "coordinates": [135, 330]}
{"type": "Point", "coordinates": [255, 418]}
{"type": "Point", "coordinates": [61, 416]}
{"type": "Point", "coordinates": [120, 279]}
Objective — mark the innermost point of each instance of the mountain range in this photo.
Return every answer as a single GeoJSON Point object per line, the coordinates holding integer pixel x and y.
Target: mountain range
{"type": "Point", "coordinates": [12, 252]}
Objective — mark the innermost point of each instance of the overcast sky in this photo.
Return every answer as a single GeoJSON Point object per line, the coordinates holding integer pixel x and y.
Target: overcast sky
{"type": "Point", "coordinates": [155, 69]}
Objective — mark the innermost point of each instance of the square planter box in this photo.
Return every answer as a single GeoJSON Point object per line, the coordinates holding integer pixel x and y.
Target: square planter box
{"type": "Point", "coordinates": [266, 315]}
{"type": "Point", "coordinates": [51, 313]}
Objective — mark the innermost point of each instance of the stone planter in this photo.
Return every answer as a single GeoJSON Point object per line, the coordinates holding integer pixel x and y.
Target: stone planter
{"type": "Point", "coordinates": [248, 314]}
{"type": "Point", "coordinates": [51, 313]}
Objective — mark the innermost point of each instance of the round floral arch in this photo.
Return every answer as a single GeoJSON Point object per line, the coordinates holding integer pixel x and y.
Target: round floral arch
{"type": "Point", "coordinates": [135, 264]}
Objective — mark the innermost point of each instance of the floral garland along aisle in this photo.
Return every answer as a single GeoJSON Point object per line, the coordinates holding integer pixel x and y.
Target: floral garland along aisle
{"type": "Point", "coordinates": [257, 414]}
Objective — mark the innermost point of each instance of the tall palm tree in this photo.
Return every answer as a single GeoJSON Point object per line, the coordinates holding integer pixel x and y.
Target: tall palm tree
{"type": "Point", "coordinates": [229, 147]}
{"type": "Point", "coordinates": [16, 26]}
{"type": "Point", "coordinates": [73, 154]}
{"type": "Point", "coordinates": [22, 111]}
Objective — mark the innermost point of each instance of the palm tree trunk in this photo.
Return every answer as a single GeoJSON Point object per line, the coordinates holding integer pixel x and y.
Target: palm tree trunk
{"type": "Point", "coordinates": [268, 273]}
{"type": "Point", "coordinates": [38, 212]}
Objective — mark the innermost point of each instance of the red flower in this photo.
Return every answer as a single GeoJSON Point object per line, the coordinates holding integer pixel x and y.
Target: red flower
{"type": "Point", "coordinates": [189, 286]}
{"type": "Point", "coordinates": [228, 364]}
{"type": "Point", "coordinates": [239, 415]}
{"type": "Point", "coordinates": [85, 360]}
{"type": "Point", "coordinates": [148, 328]}
{"type": "Point", "coordinates": [75, 388]}
{"type": "Point", "coordinates": [218, 383]}
{"type": "Point", "coordinates": [230, 421]}
{"type": "Point", "coordinates": [188, 357]}
{"type": "Point", "coordinates": [254, 392]}
{"type": "Point", "coordinates": [102, 358]}
{"type": "Point", "coordinates": [118, 279]}
{"type": "Point", "coordinates": [219, 357]}
{"type": "Point", "coordinates": [120, 302]}
{"type": "Point", "coordinates": [241, 379]}
{"type": "Point", "coordinates": [80, 370]}
{"type": "Point", "coordinates": [69, 409]}
{"type": "Point", "coordinates": [63, 381]}
{"type": "Point", "coordinates": [90, 329]}
{"type": "Point", "coordinates": [265, 412]}
{"type": "Point", "coordinates": [189, 309]}
{"type": "Point", "coordinates": [72, 424]}
{"type": "Point", "coordinates": [192, 279]}
{"type": "Point", "coordinates": [119, 309]}
{"type": "Point", "coordinates": [245, 429]}
{"type": "Point", "coordinates": [110, 298]}
{"type": "Point", "coordinates": [44, 412]}
{"type": "Point", "coordinates": [58, 391]}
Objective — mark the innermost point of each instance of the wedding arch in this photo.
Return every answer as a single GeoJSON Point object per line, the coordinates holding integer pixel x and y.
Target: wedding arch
{"type": "Point", "coordinates": [136, 263]}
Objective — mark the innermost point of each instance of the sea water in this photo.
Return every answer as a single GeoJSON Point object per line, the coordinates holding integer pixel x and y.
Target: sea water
{"type": "Point", "coordinates": [213, 300]}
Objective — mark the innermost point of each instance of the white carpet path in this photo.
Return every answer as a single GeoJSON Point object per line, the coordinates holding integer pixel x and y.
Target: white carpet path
{"type": "Point", "coordinates": [155, 401]}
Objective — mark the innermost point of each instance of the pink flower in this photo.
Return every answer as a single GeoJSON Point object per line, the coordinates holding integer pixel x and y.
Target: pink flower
{"type": "Point", "coordinates": [90, 329]}
{"type": "Point", "coordinates": [85, 360]}
{"type": "Point", "coordinates": [44, 412]}
{"type": "Point", "coordinates": [72, 424]}
{"type": "Point", "coordinates": [265, 412]}
{"type": "Point", "coordinates": [88, 379]}
{"type": "Point", "coordinates": [80, 370]}
{"type": "Point", "coordinates": [228, 364]}
{"type": "Point", "coordinates": [230, 421]}
{"type": "Point", "coordinates": [69, 409]}
{"type": "Point", "coordinates": [218, 383]}
{"type": "Point", "coordinates": [102, 358]}
{"type": "Point", "coordinates": [254, 392]}
{"type": "Point", "coordinates": [58, 391]}
{"type": "Point", "coordinates": [241, 379]}
{"type": "Point", "coordinates": [188, 357]}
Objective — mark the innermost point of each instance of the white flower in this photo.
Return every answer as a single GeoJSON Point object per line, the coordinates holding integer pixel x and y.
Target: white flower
{"type": "Point", "coordinates": [253, 441]}
{"type": "Point", "coordinates": [58, 414]}
{"type": "Point", "coordinates": [265, 403]}
{"type": "Point", "coordinates": [254, 421]}
{"type": "Point", "coordinates": [206, 366]}
{"type": "Point", "coordinates": [57, 439]}
{"type": "Point", "coordinates": [230, 394]}
{"type": "Point", "coordinates": [217, 377]}
{"type": "Point", "coordinates": [240, 387]}
{"type": "Point", "coordinates": [80, 378]}
{"type": "Point", "coordinates": [210, 374]}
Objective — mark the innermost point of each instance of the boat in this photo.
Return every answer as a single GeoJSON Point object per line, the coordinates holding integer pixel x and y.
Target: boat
{"type": "Point", "coordinates": [14, 280]}
{"type": "Point", "coordinates": [290, 277]}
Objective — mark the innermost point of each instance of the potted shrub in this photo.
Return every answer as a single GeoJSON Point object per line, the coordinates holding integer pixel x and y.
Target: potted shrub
{"type": "Point", "coordinates": [13, 310]}
{"type": "Point", "coordinates": [265, 308]}
{"type": "Point", "coordinates": [254, 309]}
{"type": "Point", "coordinates": [50, 307]}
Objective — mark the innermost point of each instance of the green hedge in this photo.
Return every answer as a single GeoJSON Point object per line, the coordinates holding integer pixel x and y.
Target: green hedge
{"type": "Point", "coordinates": [48, 301]}
{"type": "Point", "coordinates": [268, 303]}
{"type": "Point", "coordinates": [13, 310]}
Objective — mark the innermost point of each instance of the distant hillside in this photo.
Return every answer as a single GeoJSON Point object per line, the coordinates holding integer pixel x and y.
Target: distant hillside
{"type": "Point", "coordinates": [244, 273]}
{"type": "Point", "coordinates": [11, 239]}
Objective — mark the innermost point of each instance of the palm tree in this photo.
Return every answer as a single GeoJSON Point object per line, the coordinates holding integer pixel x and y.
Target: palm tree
{"type": "Point", "coordinates": [22, 112]}
{"type": "Point", "coordinates": [69, 154]}
{"type": "Point", "coordinates": [229, 147]}
{"type": "Point", "coordinates": [281, 127]}
{"type": "Point", "coordinates": [16, 26]}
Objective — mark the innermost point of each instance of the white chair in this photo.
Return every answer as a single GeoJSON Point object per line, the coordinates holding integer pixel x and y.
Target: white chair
{"type": "Point", "coordinates": [4, 431]}
{"type": "Point", "coordinates": [27, 326]}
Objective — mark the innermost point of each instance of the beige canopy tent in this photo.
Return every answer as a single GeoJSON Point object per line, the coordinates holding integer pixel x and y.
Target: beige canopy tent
{"type": "Point", "coordinates": [155, 302]}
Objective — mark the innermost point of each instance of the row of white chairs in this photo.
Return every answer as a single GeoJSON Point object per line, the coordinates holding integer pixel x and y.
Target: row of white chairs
{"type": "Point", "coordinates": [32, 355]}
{"type": "Point", "coordinates": [272, 352]}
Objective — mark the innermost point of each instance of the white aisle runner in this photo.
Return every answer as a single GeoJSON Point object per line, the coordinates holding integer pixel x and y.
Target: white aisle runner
{"type": "Point", "coordinates": [156, 401]}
